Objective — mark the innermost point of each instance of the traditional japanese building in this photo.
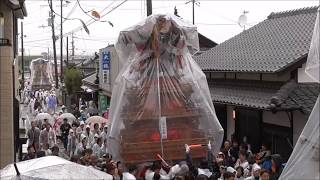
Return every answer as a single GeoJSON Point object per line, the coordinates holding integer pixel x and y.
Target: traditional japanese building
{"type": "Point", "coordinates": [257, 80]}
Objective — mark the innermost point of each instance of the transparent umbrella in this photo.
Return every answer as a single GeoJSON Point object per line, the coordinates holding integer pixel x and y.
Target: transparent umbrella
{"type": "Point", "coordinates": [69, 116]}
{"type": "Point", "coordinates": [51, 167]}
{"type": "Point", "coordinates": [42, 116]}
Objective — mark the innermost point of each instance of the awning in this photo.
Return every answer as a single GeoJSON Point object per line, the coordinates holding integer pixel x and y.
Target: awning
{"type": "Point", "coordinates": [89, 83]}
{"type": "Point", "coordinates": [264, 95]}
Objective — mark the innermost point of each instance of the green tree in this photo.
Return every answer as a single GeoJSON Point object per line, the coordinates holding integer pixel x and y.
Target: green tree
{"type": "Point", "coordinates": [73, 82]}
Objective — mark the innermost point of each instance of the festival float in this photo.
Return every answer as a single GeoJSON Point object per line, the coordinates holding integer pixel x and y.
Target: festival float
{"type": "Point", "coordinates": [41, 74]}
{"type": "Point", "coordinates": [160, 100]}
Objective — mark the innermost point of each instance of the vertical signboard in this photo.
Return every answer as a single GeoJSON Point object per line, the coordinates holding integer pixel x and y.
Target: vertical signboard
{"type": "Point", "coordinates": [106, 58]}
{"type": "Point", "coordinates": [103, 103]}
{"type": "Point", "coordinates": [163, 127]}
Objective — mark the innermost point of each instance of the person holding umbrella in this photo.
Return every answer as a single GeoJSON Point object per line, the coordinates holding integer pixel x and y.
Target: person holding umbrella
{"type": "Point", "coordinates": [65, 128]}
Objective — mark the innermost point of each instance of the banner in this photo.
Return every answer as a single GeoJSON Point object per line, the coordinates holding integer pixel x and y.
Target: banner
{"type": "Point", "coordinates": [106, 58]}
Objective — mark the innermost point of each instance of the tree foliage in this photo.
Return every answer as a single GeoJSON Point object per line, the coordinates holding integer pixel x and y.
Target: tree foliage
{"type": "Point", "coordinates": [72, 80]}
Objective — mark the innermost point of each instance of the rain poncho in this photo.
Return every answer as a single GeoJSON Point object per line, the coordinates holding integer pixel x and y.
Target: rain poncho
{"type": "Point", "coordinates": [161, 95]}
{"type": "Point", "coordinates": [304, 160]}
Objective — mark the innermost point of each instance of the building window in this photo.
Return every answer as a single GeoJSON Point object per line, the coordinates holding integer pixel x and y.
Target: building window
{"type": "Point", "coordinates": [3, 41]}
{"type": "Point", "coordinates": [1, 26]}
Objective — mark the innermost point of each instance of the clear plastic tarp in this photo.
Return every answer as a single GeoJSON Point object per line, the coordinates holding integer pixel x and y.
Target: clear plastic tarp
{"type": "Point", "coordinates": [160, 100]}
{"type": "Point", "coordinates": [305, 158]}
{"type": "Point", "coordinates": [51, 167]}
{"type": "Point", "coordinates": [313, 62]}
{"type": "Point", "coordinates": [41, 74]}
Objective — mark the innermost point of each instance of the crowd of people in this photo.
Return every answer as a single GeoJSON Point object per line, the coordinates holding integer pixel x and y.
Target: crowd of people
{"type": "Point", "coordinates": [86, 144]}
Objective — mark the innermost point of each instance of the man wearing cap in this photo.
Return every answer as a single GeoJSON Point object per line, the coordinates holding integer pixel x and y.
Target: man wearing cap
{"type": "Point", "coordinates": [71, 143]}
{"type": "Point", "coordinates": [80, 130]}
{"type": "Point", "coordinates": [255, 174]}
{"type": "Point", "coordinates": [65, 128]}
{"type": "Point", "coordinates": [89, 135]}
{"type": "Point", "coordinates": [63, 108]}
{"type": "Point", "coordinates": [104, 133]}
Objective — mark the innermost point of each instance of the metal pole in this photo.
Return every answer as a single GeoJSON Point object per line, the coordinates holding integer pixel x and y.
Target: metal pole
{"type": "Point", "coordinates": [54, 46]}
{"type": "Point", "coordinates": [149, 7]}
{"type": "Point", "coordinates": [67, 51]}
{"type": "Point", "coordinates": [193, 1]}
{"type": "Point", "coordinates": [61, 45]}
{"type": "Point", "coordinates": [22, 56]}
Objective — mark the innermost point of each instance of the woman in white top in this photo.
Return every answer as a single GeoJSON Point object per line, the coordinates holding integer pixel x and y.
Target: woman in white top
{"type": "Point", "coordinates": [242, 161]}
{"type": "Point", "coordinates": [97, 151]}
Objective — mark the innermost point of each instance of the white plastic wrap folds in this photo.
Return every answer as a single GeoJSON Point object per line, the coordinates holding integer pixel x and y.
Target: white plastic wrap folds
{"type": "Point", "coordinates": [305, 158]}
{"type": "Point", "coordinates": [157, 57]}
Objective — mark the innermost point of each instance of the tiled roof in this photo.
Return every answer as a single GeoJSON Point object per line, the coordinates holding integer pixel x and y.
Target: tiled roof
{"type": "Point", "coordinates": [265, 95]}
{"type": "Point", "coordinates": [270, 46]}
{"type": "Point", "coordinates": [303, 96]}
{"type": "Point", "coordinates": [254, 94]}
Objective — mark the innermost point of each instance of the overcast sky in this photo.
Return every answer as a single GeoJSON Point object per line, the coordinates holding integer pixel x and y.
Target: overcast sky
{"type": "Point", "coordinates": [215, 19]}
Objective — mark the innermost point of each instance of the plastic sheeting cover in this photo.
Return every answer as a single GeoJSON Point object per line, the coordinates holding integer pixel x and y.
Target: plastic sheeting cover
{"type": "Point", "coordinates": [41, 74]}
{"type": "Point", "coordinates": [160, 80]}
{"type": "Point", "coordinates": [51, 167]}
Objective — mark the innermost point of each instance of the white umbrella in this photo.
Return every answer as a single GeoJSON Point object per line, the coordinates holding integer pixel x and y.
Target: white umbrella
{"type": "Point", "coordinates": [42, 116]}
{"type": "Point", "coordinates": [69, 116]}
{"type": "Point", "coordinates": [96, 119]}
{"type": "Point", "coordinates": [51, 167]}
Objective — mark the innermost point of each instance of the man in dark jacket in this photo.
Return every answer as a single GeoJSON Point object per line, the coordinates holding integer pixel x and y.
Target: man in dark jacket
{"type": "Point", "coordinates": [64, 128]}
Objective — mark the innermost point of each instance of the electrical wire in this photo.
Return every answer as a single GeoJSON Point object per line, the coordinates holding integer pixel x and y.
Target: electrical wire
{"type": "Point", "coordinates": [91, 22]}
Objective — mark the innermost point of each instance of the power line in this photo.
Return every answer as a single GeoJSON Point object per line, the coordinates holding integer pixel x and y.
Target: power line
{"type": "Point", "coordinates": [91, 22]}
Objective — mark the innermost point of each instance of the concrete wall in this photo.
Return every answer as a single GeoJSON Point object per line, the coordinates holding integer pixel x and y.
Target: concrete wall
{"type": "Point", "coordinates": [299, 121]}
{"type": "Point", "coordinates": [282, 119]}
{"type": "Point", "coordinates": [302, 76]}
{"type": "Point", "coordinates": [248, 76]}
{"type": "Point", "coordinates": [276, 77]}
{"type": "Point", "coordinates": [6, 88]}
{"type": "Point", "coordinates": [279, 118]}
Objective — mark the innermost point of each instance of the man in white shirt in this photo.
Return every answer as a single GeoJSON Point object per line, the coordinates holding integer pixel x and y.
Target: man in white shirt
{"type": "Point", "coordinates": [104, 133]}
{"type": "Point", "coordinates": [89, 135]}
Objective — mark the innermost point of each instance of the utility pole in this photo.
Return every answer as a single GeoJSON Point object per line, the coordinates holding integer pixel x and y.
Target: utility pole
{"type": "Point", "coordinates": [22, 56]}
{"type": "Point", "coordinates": [149, 7]}
{"type": "Point", "coordinates": [61, 44]}
{"type": "Point", "coordinates": [54, 46]}
{"type": "Point", "coordinates": [67, 51]}
{"type": "Point", "coordinates": [193, 12]}
{"type": "Point", "coordinates": [193, 3]}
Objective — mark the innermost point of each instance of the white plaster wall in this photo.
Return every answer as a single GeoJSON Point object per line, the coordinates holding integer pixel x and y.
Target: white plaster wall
{"type": "Point", "coordinates": [299, 121]}
{"type": "Point", "coordinates": [302, 76]}
{"type": "Point", "coordinates": [248, 76]}
{"type": "Point", "coordinates": [230, 122]}
{"type": "Point", "coordinates": [276, 77]}
{"type": "Point", "coordinates": [279, 118]}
